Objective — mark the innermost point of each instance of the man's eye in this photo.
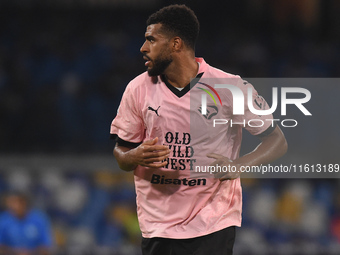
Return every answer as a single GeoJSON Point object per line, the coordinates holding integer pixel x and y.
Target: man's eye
{"type": "Point", "coordinates": [150, 39]}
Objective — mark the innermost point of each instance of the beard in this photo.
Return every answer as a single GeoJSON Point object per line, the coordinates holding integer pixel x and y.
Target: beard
{"type": "Point", "coordinates": [160, 64]}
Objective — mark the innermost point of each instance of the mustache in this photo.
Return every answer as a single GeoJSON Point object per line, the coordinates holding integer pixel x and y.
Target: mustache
{"type": "Point", "coordinates": [146, 56]}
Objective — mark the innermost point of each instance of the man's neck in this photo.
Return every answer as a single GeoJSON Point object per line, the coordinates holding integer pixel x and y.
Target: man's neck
{"type": "Point", "coordinates": [180, 73]}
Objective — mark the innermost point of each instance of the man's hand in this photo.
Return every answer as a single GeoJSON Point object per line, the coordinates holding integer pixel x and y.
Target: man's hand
{"type": "Point", "coordinates": [224, 161]}
{"type": "Point", "coordinates": [149, 154]}
{"type": "Point", "coordinates": [272, 147]}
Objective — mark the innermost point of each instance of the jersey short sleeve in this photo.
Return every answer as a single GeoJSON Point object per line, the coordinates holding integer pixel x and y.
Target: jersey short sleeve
{"type": "Point", "coordinates": [128, 124]}
{"type": "Point", "coordinates": [256, 124]}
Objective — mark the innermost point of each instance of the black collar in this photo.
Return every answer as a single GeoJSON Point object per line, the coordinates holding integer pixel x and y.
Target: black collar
{"type": "Point", "coordinates": [180, 93]}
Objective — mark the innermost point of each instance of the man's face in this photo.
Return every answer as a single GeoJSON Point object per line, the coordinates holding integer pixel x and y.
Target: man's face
{"type": "Point", "coordinates": [156, 50]}
{"type": "Point", "coordinates": [17, 205]}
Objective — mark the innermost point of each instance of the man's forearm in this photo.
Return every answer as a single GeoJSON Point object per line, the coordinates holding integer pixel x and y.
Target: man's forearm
{"type": "Point", "coordinates": [147, 154]}
{"type": "Point", "coordinates": [123, 157]}
{"type": "Point", "coordinates": [271, 148]}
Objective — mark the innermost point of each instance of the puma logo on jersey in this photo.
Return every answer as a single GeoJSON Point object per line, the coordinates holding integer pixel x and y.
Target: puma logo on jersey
{"type": "Point", "coordinates": [156, 111]}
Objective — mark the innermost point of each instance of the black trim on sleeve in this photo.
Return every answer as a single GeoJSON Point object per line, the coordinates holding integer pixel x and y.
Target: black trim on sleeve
{"type": "Point", "coordinates": [124, 143]}
{"type": "Point", "coordinates": [268, 131]}
{"type": "Point", "coordinates": [113, 136]}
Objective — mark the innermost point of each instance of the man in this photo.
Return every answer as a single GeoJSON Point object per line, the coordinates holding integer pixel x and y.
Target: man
{"type": "Point", "coordinates": [23, 231]}
{"type": "Point", "coordinates": [162, 134]}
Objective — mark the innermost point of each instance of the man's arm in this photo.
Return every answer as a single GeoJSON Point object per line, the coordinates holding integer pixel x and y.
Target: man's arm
{"type": "Point", "coordinates": [147, 154]}
{"type": "Point", "coordinates": [272, 147]}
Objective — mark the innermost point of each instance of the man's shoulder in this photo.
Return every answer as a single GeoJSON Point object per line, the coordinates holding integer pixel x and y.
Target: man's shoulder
{"type": "Point", "coordinates": [142, 80]}
{"type": "Point", "coordinates": [218, 73]}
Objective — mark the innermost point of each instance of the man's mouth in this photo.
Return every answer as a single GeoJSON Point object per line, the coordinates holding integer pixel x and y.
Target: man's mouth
{"type": "Point", "coordinates": [148, 61]}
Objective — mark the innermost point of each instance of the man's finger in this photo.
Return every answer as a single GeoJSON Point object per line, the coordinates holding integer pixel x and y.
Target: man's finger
{"type": "Point", "coordinates": [227, 176]}
{"type": "Point", "coordinates": [219, 162]}
{"type": "Point", "coordinates": [218, 156]}
{"type": "Point", "coordinates": [151, 142]}
{"type": "Point", "coordinates": [155, 160]}
{"type": "Point", "coordinates": [232, 177]}
{"type": "Point", "coordinates": [214, 155]}
{"type": "Point", "coordinates": [157, 165]}
{"type": "Point", "coordinates": [152, 148]}
{"type": "Point", "coordinates": [155, 154]}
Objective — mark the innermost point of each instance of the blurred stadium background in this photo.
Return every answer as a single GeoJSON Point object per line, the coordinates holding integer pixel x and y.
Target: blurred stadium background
{"type": "Point", "coordinates": [64, 65]}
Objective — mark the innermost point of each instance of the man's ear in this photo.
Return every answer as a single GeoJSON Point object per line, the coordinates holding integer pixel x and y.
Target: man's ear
{"type": "Point", "coordinates": [177, 43]}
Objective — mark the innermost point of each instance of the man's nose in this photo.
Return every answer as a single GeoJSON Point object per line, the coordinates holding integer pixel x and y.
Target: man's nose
{"type": "Point", "coordinates": [144, 48]}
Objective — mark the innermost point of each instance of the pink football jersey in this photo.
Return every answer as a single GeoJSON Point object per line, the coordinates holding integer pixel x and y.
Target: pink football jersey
{"type": "Point", "coordinates": [176, 201]}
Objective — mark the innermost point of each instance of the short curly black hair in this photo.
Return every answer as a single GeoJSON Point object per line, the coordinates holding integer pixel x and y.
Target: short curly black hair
{"type": "Point", "coordinates": [177, 20]}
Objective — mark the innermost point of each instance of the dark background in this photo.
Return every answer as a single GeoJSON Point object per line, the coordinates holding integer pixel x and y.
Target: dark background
{"type": "Point", "coordinates": [64, 65]}
{"type": "Point", "coordinates": [63, 68]}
